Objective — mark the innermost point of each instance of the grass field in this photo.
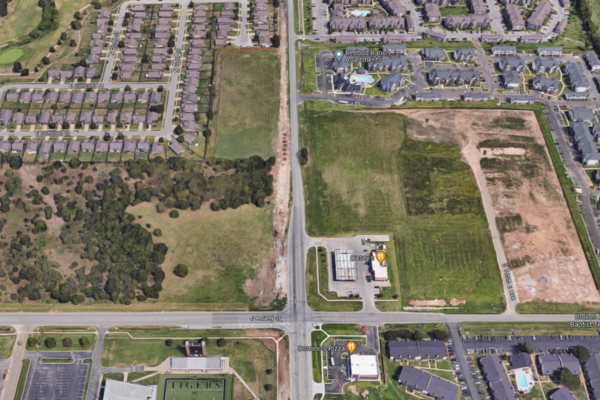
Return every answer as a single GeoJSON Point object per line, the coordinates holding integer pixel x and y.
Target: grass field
{"type": "Point", "coordinates": [522, 328]}
{"type": "Point", "coordinates": [220, 262]}
{"type": "Point", "coordinates": [6, 346]}
{"type": "Point", "coordinates": [365, 176]}
{"type": "Point", "coordinates": [248, 104]}
{"type": "Point", "coordinates": [120, 350]}
{"type": "Point", "coordinates": [23, 16]}
{"type": "Point", "coordinates": [315, 301]}
{"type": "Point", "coordinates": [76, 346]}
{"type": "Point", "coordinates": [195, 387]}
{"type": "Point", "coordinates": [454, 10]}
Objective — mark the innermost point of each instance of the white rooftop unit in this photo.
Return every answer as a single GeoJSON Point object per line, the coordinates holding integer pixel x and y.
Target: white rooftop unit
{"type": "Point", "coordinates": [345, 266]}
{"type": "Point", "coordinates": [363, 367]}
{"type": "Point", "coordinates": [380, 272]}
{"type": "Point", "coordinates": [196, 363]}
{"type": "Point", "coordinates": [115, 390]}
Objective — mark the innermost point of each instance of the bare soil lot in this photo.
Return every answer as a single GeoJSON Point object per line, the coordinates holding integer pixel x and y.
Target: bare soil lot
{"type": "Point", "coordinates": [538, 235]}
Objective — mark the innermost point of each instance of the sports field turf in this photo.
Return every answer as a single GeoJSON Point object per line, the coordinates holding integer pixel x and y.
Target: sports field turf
{"type": "Point", "coordinates": [248, 104]}
{"type": "Point", "coordinates": [195, 387]}
{"type": "Point", "coordinates": [366, 176]}
{"type": "Point", "coordinates": [11, 55]}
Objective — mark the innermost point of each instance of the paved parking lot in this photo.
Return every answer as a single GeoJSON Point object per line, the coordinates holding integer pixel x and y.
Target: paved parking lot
{"type": "Point", "coordinates": [56, 381]}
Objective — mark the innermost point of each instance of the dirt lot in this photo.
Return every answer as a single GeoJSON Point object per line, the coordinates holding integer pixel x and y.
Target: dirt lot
{"type": "Point", "coordinates": [541, 245]}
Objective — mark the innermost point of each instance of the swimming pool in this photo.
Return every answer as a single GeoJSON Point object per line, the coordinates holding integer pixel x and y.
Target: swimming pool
{"type": "Point", "coordinates": [360, 13]}
{"type": "Point", "coordinates": [361, 79]}
{"type": "Point", "coordinates": [522, 381]}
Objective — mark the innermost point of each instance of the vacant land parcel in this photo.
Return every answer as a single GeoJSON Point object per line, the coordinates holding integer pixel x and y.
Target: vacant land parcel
{"type": "Point", "coordinates": [367, 176]}
{"type": "Point", "coordinates": [538, 235]}
{"type": "Point", "coordinates": [248, 104]}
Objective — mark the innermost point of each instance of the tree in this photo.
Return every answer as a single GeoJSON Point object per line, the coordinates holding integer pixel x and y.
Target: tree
{"type": "Point", "coordinates": [16, 162]}
{"type": "Point", "coordinates": [52, 50]}
{"type": "Point", "coordinates": [417, 335]}
{"type": "Point", "coordinates": [63, 36]}
{"type": "Point", "coordinates": [121, 44]}
{"type": "Point", "coordinates": [50, 343]}
{"type": "Point", "coordinates": [567, 378]}
{"type": "Point", "coordinates": [25, 72]}
{"type": "Point", "coordinates": [84, 342]}
{"type": "Point", "coordinates": [45, 60]}
{"type": "Point", "coordinates": [440, 334]}
{"type": "Point", "coordinates": [157, 232]}
{"type": "Point", "coordinates": [93, 125]}
{"type": "Point", "coordinates": [65, 125]}
{"type": "Point", "coordinates": [72, 43]}
{"type": "Point", "coordinates": [304, 155]}
{"type": "Point", "coordinates": [114, 76]}
{"type": "Point", "coordinates": [169, 342]}
{"type": "Point", "coordinates": [181, 270]}
{"type": "Point", "coordinates": [67, 342]}
{"type": "Point", "coordinates": [268, 387]}
{"type": "Point", "coordinates": [76, 25]}
{"type": "Point", "coordinates": [17, 67]}
{"type": "Point", "coordinates": [78, 15]}
{"type": "Point", "coordinates": [276, 40]}
{"type": "Point", "coordinates": [174, 214]}
{"type": "Point", "coordinates": [178, 129]}
{"type": "Point", "coordinates": [582, 354]}
{"type": "Point", "coordinates": [32, 341]}
{"type": "Point", "coordinates": [160, 88]}
{"type": "Point", "coordinates": [221, 342]}
{"type": "Point", "coordinates": [526, 348]}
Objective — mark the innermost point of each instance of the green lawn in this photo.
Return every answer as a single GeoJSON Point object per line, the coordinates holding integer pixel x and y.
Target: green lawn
{"type": "Point", "coordinates": [220, 262]}
{"type": "Point", "coordinates": [22, 379]}
{"type": "Point", "coordinates": [120, 350]}
{"type": "Point", "coordinates": [454, 10]}
{"type": "Point", "coordinates": [367, 177]}
{"type": "Point", "coordinates": [6, 346]}
{"type": "Point", "coordinates": [76, 346]}
{"type": "Point", "coordinates": [317, 338]}
{"type": "Point", "coordinates": [56, 360]}
{"type": "Point", "coordinates": [11, 55]}
{"type": "Point", "coordinates": [23, 16]}
{"type": "Point", "coordinates": [248, 104]}
{"type": "Point", "coordinates": [315, 301]}
{"type": "Point", "coordinates": [522, 328]}
{"type": "Point", "coordinates": [115, 376]}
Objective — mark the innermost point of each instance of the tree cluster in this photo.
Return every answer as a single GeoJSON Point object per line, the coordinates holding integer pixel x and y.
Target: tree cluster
{"type": "Point", "coordinates": [49, 21]}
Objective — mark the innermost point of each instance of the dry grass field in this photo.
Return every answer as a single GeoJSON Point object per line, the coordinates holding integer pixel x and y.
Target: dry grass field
{"type": "Point", "coordinates": [222, 250]}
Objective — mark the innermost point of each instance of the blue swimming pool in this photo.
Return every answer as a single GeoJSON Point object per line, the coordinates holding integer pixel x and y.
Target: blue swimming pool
{"type": "Point", "coordinates": [522, 381]}
{"type": "Point", "coordinates": [360, 13]}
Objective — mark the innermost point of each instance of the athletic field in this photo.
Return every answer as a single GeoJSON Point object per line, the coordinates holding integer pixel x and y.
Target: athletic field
{"type": "Point", "coordinates": [195, 387]}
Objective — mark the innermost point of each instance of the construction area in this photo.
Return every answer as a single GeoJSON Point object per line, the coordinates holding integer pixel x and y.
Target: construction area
{"type": "Point", "coordinates": [537, 233]}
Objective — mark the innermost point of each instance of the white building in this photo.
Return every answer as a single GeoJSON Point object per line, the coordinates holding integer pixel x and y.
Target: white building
{"type": "Point", "coordinates": [197, 364]}
{"type": "Point", "coordinates": [115, 390]}
{"type": "Point", "coordinates": [380, 272]}
{"type": "Point", "coordinates": [363, 368]}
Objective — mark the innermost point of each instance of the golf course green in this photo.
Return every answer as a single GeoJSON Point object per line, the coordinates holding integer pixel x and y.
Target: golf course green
{"type": "Point", "coordinates": [11, 55]}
